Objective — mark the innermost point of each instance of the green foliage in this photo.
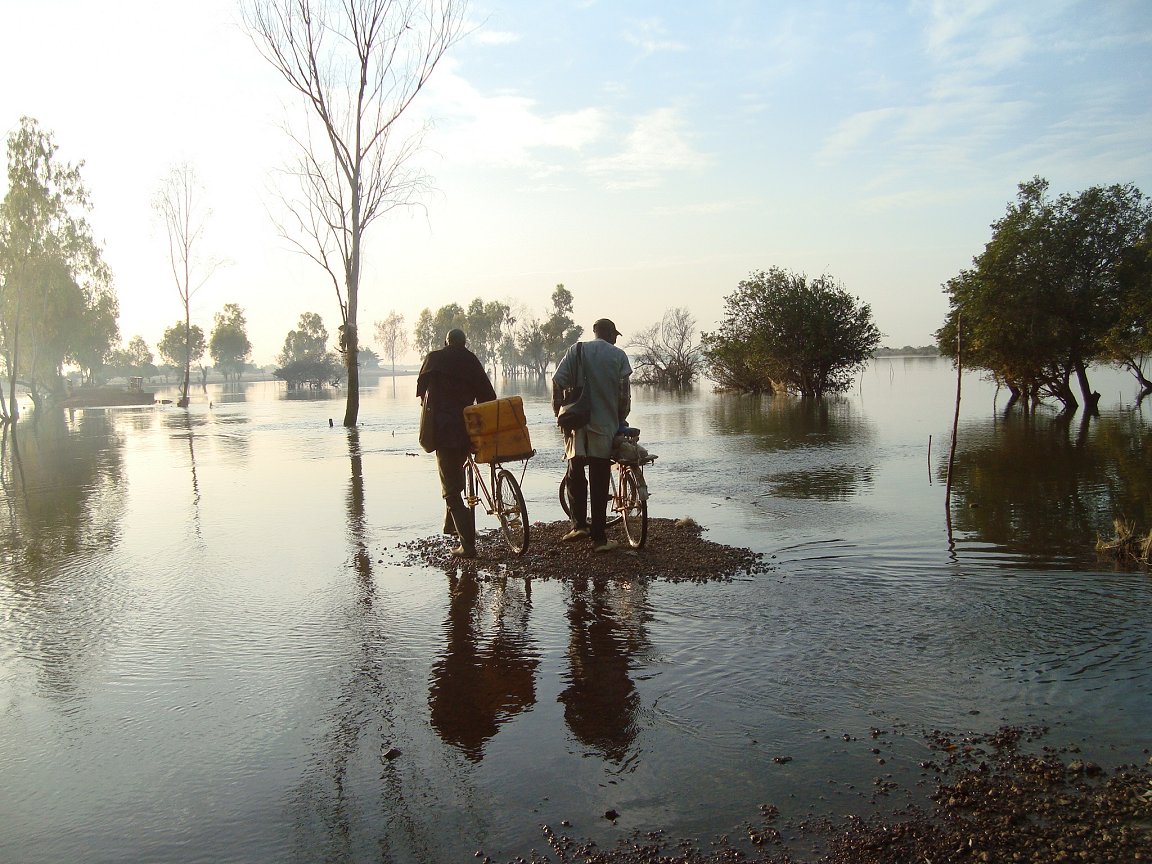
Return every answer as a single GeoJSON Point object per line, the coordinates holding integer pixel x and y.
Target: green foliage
{"type": "Point", "coordinates": [495, 335]}
{"type": "Point", "coordinates": [314, 372]}
{"type": "Point", "coordinates": [782, 332]}
{"type": "Point", "coordinates": [309, 342]}
{"type": "Point", "coordinates": [229, 345]}
{"type": "Point", "coordinates": [134, 359]}
{"type": "Point", "coordinates": [171, 348]}
{"type": "Point", "coordinates": [559, 331]}
{"type": "Point", "coordinates": [57, 304]}
{"type": "Point", "coordinates": [306, 360]}
{"type": "Point", "coordinates": [1057, 288]}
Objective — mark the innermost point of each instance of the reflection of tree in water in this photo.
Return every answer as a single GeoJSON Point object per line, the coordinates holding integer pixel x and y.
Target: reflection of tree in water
{"type": "Point", "coordinates": [60, 482]}
{"type": "Point", "coordinates": [487, 673]}
{"type": "Point", "coordinates": [62, 485]}
{"type": "Point", "coordinates": [822, 483]}
{"type": "Point", "coordinates": [182, 425]}
{"type": "Point", "coordinates": [1040, 483]}
{"type": "Point", "coordinates": [607, 628]}
{"type": "Point", "coordinates": [783, 423]}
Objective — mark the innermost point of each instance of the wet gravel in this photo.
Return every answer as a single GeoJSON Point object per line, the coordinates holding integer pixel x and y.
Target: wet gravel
{"type": "Point", "coordinates": [676, 550]}
{"type": "Point", "coordinates": [994, 798]}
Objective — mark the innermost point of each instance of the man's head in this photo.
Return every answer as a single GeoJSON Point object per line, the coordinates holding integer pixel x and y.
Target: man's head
{"type": "Point", "coordinates": [455, 337]}
{"type": "Point", "coordinates": [606, 330]}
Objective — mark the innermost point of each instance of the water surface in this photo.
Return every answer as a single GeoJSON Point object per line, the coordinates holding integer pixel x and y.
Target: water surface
{"type": "Point", "coordinates": [210, 649]}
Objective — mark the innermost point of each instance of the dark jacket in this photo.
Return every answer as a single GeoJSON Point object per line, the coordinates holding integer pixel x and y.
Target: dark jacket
{"type": "Point", "coordinates": [452, 378]}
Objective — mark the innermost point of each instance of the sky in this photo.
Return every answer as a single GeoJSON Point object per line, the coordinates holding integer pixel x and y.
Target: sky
{"type": "Point", "coordinates": [648, 154]}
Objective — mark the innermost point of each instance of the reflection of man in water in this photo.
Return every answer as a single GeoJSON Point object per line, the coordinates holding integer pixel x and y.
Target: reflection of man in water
{"type": "Point", "coordinates": [453, 379]}
{"type": "Point", "coordinates": [483, 679]}
{"type": "Point", "coordinates": [600, 701]}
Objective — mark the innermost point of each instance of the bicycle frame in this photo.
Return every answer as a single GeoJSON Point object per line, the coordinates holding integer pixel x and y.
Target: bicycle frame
{"type": "Point", "coordinates": [501, 497]}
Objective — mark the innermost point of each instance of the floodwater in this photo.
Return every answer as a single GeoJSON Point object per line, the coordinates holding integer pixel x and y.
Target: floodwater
{"type": "Point", "coordinates": [211, 649]}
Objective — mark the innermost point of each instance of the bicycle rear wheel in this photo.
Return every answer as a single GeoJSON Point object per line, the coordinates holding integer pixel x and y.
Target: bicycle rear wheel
{"type": "Point", "coordinates": [565, 504]}
{"type": "Point", "coordinates": [564, 496]}
{"type": "Point", "coordinates": [633, 508]}
{"type": "Point", "coordinates": [511, 512]}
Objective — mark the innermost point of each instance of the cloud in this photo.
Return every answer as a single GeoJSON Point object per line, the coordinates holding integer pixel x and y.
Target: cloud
{"type": "Point", "coordinates": [650, 36]}
{"type": "Point", "coordinates": [503, 128]}
{"type": "Point", "coordinates": [655, 146]}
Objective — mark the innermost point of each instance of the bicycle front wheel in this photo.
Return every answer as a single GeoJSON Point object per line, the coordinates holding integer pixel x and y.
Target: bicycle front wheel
{"type": "Point", "coordinates": [511, 512]}
{"type": "Point", "coordinates": [633, 508]}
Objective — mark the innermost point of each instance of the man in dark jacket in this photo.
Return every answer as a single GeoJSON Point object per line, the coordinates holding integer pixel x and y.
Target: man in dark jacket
{"type": "Point", "coordinates": [452, 378]}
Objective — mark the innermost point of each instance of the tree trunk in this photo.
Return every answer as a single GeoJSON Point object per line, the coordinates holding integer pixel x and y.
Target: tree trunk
{"type": "Point", "coordinates": [352, 351]}
{"type": "Point", "coordinates": [183, 403]}
{"type": "Point", "coordinates": [1091, 399]}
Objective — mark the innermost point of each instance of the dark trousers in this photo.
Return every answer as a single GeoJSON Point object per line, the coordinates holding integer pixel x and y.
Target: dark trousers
{"type": "Point", "coordinates": [450, 464]}
{"type": "Point", "coordinates": [598, 470]}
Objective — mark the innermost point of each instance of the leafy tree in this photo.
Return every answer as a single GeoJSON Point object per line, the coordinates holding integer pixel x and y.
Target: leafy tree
{"type": "Point", "coordinates": [305, 359]}
{"type": "Point", "coordinates": [369, 359]}
{"type": "Point", "coordinates": [782, 332]}
{"type": "Point", "coordinates": [134, 359]}
{"type": "Point", "coordinates": [1050, 295]}
{"type": "Point", "coordinates": [180, 344]}
{"type": "Point", "coordinates": [532, 347]}
{"type": "Point", "coordinates": [357, 65]}
{"type": "Point", "coordinates": [667, 354]}
{"type": "Point", "coordinates": [56, 300]}
{"type": "Point", "coordinates": [484, 327]}
{"type": "Point", "coordinates": [560, 331]}
{"type": "Point", "coordinates": [178, 205]}
{"type": "Point", "coordinates": [423, 334]}
{"type": "Point", "coordinates": [1129, 341]}
{"type": "Point", "coordinates": [309, 342]}
{"type": "Point", "coordinates": [229, 345]}
{"type": "Point", "coordinates": [392, 337]}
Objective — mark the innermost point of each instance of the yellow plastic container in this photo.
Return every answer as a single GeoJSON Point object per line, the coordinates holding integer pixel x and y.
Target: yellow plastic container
{"type": "Point", "coordinates": [498, 430]}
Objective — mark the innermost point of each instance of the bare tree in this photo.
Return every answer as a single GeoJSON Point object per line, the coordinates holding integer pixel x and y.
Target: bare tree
{"type": "Point", "coordinates": [668, 355]}
{"type": "Point", "coordinates": [179, 206]}
{"type": "Point", "coordinates": [358, 65]}
{"type": "Point", "coordinates": [392, 337]}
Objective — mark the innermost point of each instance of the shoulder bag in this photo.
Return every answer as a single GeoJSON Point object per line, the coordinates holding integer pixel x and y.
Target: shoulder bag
{"type": "Point", "coordinates": [576, 409]}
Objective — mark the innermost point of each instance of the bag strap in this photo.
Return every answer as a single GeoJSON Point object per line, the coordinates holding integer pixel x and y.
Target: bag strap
{"type": "Point", "coordinates": [580, 363]}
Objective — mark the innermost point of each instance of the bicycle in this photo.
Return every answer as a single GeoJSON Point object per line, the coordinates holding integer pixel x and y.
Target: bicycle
{"type": "Point", "coordinates": [627, 492]}
{"type": "Point", "coordinates": [504, 499]}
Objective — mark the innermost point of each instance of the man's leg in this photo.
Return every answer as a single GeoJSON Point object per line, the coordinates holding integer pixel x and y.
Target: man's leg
{"type": "Point", "coordinates": [450, 463]}
{"type": "Point", "coordinates": [577, 498]}
{"type": "Point", "coordinates": [598, 470]}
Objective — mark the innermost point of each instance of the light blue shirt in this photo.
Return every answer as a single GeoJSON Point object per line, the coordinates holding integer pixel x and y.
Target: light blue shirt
{"type": "Point", "coordinates": [605, 371]}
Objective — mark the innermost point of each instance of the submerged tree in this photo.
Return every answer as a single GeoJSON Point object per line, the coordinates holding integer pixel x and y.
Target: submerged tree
{"type": "Point", "coordinates": [229, 345]}
{"type": "Point", "coordinates": [182, 343]}
{"type": "Point", "coordinates": [666, 353]}
{"type": "Point", "coordinates": [782, 332]}
{"type": "Point", "coordinates": [358, 65]}
{"type": "Point", "coordinates": [559, 331]}
{"type": "Point", "coordinates": [393, 339]}
{"type": "Point", "coordinates": [57, 304]}
{"type": "Point", "coordinates": [178, 205]}
{"type": "Point", "coordinates": [1050, 295]}
{"type": "Point", "coordinates": [305, 358]}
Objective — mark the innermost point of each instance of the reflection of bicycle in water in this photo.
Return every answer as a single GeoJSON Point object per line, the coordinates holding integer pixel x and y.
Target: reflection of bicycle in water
{"type": "Point", "coordinates": [501, 497]}
{"type": "Point", "coordinates": [627, 492]}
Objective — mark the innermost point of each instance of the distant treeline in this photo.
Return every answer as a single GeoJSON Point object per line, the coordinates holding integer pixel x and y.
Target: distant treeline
{"type": "Point", "coordinates": [908, 351]}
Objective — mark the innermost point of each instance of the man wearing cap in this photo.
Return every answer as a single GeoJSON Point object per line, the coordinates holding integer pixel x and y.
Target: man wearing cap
{"type": "Point", "coordinates": [603, 371]}
{"type": "Point", "coordinates": [451, 379]}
